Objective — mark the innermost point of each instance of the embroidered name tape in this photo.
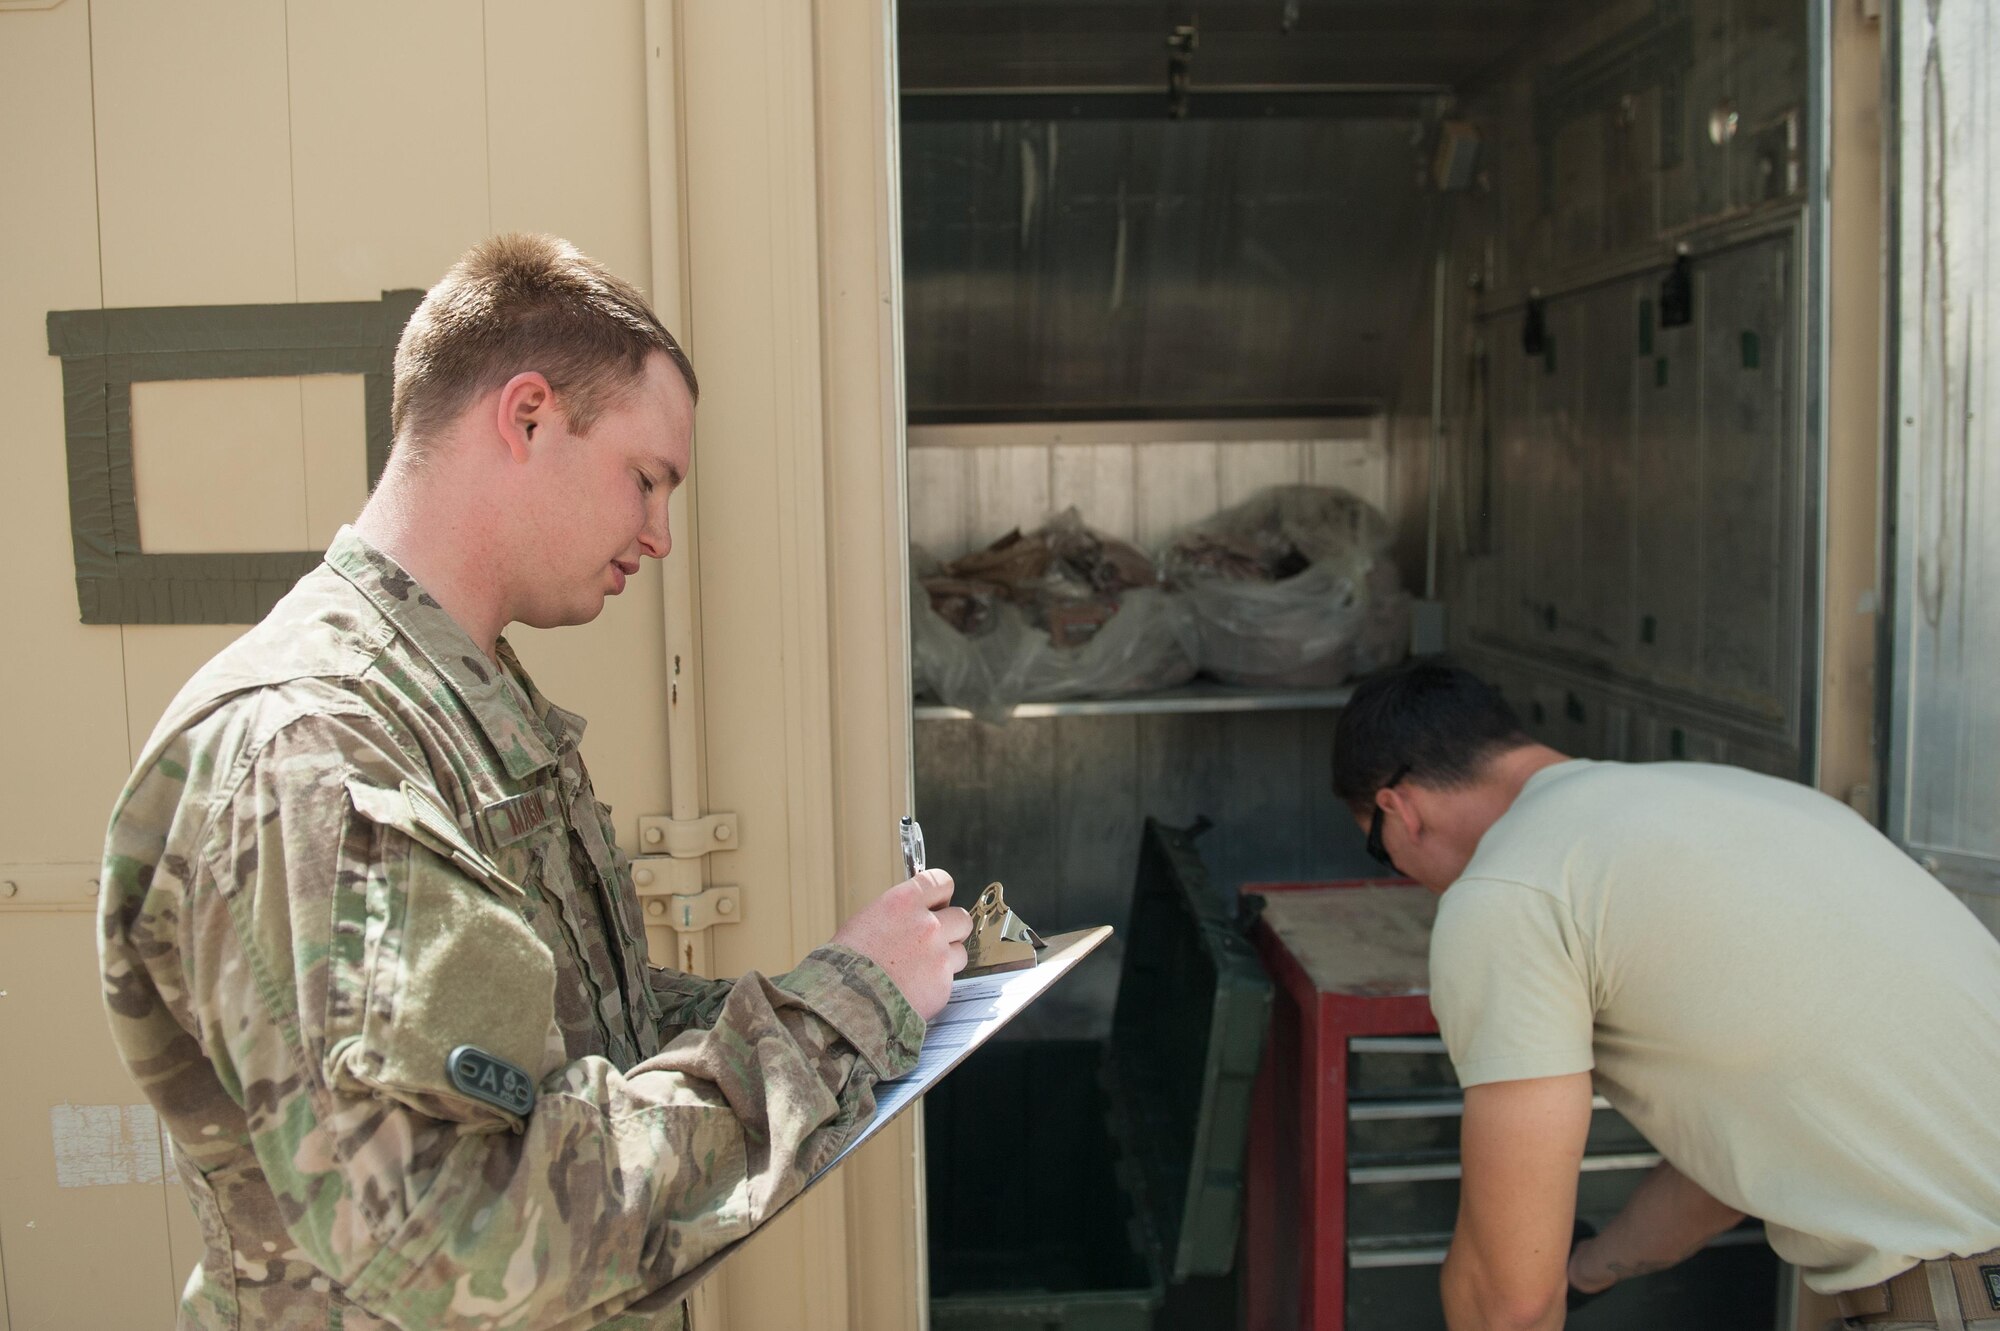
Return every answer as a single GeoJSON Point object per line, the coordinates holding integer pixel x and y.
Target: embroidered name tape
{"type": "Point", "coordinates": [487, 1077]}
{"type": "Point", "coordinates": [512, 819]}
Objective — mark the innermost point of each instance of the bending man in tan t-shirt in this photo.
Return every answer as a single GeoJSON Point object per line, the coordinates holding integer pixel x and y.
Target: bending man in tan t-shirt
{"type": "Point", "coordinates": [1802, 1022]}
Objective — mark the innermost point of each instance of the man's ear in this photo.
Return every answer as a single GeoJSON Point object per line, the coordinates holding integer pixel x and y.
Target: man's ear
{"type": "Point", "coordinates": [524, 410]}
{"type": "Point", "coordinates": [1396, 803]}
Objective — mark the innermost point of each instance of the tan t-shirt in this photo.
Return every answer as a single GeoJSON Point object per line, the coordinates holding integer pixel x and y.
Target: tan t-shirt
{"type": "Point", "coordinates": [1799, 1018]}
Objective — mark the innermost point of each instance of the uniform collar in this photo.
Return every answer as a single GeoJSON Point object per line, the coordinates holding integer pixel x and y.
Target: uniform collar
{"type": "Point", "coordinates": [564, 728]}
{"type": "Point", "coordinates": [507, 712]}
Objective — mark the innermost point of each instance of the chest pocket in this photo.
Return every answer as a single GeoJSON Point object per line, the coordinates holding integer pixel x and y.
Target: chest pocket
{"type": "Point", "coordinates": [573, 874]}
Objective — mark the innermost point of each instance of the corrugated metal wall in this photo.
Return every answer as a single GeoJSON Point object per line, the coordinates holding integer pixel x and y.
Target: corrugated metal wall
{"type": "Point", "coordinates": [1630, 527]}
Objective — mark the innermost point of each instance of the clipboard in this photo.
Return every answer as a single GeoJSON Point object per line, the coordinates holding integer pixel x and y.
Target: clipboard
{"type": "Point", "coordinates": [979, 1007]}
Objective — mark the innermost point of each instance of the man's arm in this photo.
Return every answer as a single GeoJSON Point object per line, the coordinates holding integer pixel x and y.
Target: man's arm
{"type": "Point", "coordinates": [1667, 1220]}
{"type": "Point", "coordinates": [1521, 1145]}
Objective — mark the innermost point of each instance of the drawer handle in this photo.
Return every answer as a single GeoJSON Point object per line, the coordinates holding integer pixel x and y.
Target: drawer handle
{"type": "Point", "coordinates": [1451, 1169]}
{"type": "Point", "coordinates": [1395, 1044]}
{"type": "Point", "coordinates": [1370, 1111]}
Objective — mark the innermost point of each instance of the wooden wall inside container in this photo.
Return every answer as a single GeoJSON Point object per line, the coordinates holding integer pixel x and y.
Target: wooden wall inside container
{"type": "Point", "coordinates": [1139, 481]}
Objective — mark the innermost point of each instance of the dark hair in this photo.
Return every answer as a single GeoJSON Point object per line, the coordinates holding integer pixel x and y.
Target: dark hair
{"type": "Point", "coordinates": [1436, 722]}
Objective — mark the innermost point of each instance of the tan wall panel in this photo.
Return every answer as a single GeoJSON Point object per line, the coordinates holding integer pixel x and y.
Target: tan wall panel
{"type": "Point", "coordinates": [333, 408]}
{"type": "Point", "coordinates": [567, 128]}
{"type": "Point", "coordinates": [67, 731]}
{"type": "Point", "coordinates": [733, 235]}
{"type": "Point", "coordinates": [193, 153]}
{"type": "Point", "coordinates": [219, 464]}
{"type": "Point", "coordinates": [63, 677]}
{"type": "Point", "coordinates": [389, 142]}
{"type": "Point", "coordinates": [77, 1256]}
{"type": "Point", "coordinates": [159, 659]}
{"type": "Point", "coordinates": [567, 145]}
{"type": "Point", "coordinates": [751, 190]}
{"type": "Point", "coordinates": [860, 260]}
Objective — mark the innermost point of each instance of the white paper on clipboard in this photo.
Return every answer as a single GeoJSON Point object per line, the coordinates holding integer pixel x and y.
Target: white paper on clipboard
{"type": "Point", "coordinates": [978, 1008]}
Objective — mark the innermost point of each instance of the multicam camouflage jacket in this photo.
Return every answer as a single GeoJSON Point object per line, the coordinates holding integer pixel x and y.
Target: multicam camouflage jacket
{"type": "Point", "coordinates": [369, 947]}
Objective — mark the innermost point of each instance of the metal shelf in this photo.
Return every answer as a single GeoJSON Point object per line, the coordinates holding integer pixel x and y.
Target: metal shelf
{"type": "Point", "coordinates": [1194, 698]}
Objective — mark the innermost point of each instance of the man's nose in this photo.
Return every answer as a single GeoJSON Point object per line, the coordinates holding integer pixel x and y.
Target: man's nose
{"type": "Point", "coordinates": [655, 540]}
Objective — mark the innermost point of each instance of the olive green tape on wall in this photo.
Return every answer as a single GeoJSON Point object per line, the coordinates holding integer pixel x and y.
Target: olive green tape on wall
{"type": "Point", "coordinates": [105, 352]}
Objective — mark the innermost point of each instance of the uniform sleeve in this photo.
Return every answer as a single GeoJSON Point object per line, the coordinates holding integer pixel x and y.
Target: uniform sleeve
{"type": "Point", "coordinates": [1509, 984]}
{"type": "Point", "coordinates": [353, 961]}
{"type": "Point", "coordinates": [683, 1002]}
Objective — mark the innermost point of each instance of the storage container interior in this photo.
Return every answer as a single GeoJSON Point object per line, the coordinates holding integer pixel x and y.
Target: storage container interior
{"type": "Point", "coordinates": [1022, 1192]}
{"type": "Point", "coordinates": [1530, 277]}
{"type": "Point", "coordinates": [1135, 1144]}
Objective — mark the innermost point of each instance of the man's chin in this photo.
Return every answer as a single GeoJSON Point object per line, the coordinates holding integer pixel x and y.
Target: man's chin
{"type": "Point", "coordinates": [566, 616]}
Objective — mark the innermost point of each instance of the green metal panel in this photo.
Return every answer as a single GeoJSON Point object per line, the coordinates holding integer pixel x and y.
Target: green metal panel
{"type": "Point", "coordinates": [1120, 1167]}
{"type": "Point", "coordinates": [105, 352]}
{"type": "Point", "coordinates": [1186, 1037]}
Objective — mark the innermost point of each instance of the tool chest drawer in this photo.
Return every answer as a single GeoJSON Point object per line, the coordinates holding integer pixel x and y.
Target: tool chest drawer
{"type": "Point", "coordinates": [1404, 1108]}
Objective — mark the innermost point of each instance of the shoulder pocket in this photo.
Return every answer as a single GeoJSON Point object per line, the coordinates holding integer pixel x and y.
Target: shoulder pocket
{"type": "Point", "coordinates": [437, 960]}
{"type": "Point", "coordinates": [425, 821]}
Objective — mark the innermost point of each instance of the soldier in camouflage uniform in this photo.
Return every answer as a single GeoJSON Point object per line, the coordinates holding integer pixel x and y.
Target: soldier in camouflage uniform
{"type": "Point", "coordinates": [368, 943]}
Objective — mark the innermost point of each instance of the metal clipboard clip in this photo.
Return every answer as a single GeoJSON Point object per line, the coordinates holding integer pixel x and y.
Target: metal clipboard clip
{"type": "Point", "coordinates": [1000, 939]}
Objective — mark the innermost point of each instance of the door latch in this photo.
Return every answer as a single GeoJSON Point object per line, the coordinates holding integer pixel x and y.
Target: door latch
{"type": "Point", "coordinates": [687, 838]}
{"type": "Point", "coordinates": [668, 876]}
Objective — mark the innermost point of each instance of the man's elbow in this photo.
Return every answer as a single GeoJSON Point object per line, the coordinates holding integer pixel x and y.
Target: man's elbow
{"type": "Point", "coordinates": [1474, 1304]}
{"type": "Point", "coordinates": [1524, 1310]}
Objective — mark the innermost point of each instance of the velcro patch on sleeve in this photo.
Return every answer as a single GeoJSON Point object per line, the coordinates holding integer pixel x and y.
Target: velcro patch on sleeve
{"type": "Point", "coordinates": [490, 1078]}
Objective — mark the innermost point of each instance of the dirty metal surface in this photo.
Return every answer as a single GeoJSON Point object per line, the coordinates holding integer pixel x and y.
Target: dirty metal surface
{"type": "Point", "coordinates": [1367, 942]}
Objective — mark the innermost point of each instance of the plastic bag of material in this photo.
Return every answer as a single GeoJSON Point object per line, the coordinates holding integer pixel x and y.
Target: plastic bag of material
{"type": "Point", "coordinates": [1291, 589]}
{"type": "Point", "coordinates": [1062, 612]}
{"type": "Point", "coordinates": [1149, 644]}
{"type": "Point", "coordinates": [962, 637]}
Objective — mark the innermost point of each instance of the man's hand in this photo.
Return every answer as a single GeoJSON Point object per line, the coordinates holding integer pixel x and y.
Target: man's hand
{"type": "Point", "coordinates": [1521, 1144]}
{"type": "Point", "coordinates": [913, 932]}
{"type": "Point", "coordinates": [1667, 1220]}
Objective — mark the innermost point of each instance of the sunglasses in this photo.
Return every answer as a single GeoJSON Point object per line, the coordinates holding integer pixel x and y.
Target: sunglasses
{"type": "Point", "coordinates": [1376, 850]}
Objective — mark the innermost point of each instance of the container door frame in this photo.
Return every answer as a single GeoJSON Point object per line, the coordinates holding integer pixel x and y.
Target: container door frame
{"type": "Point", "coordinates": [1936, 376]}
{"type": "Point", "coordinates": [773, 139]}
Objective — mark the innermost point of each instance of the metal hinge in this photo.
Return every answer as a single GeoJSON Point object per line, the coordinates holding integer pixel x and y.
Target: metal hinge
{"type": "Point", "coordinates": [669, 885]}
{"type": "Point", "coordinates": [687, 838]}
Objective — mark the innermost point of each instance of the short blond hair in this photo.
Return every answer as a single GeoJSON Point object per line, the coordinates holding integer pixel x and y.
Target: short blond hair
{"type": "Point", "coordinates": [524, 302]}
